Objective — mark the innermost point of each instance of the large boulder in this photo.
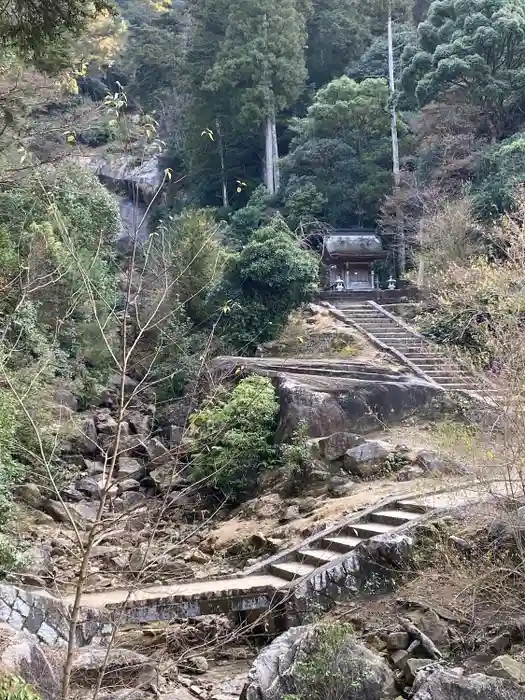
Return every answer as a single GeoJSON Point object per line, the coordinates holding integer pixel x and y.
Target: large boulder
{"type": "Point", "coordinates": [438, 684]}
{"type": "Point", "coordinates": [23, 656]}
{"type": "Point", "coordinates": [347, 669]}
{"type": "Point", "coordinates": [366, 460]}
{"type": "Point", "coordinates": [120, 667]}
{"type": "Point", "coordinates": [332, 395]}
{"type": "Point", "coordinates": [333, 447]}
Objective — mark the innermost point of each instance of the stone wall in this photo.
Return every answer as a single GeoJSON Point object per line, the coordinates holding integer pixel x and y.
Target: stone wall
{"type": "Point", "coordinates": [48, 618]}
{"type": "Point", "coordinates": [368, 569]}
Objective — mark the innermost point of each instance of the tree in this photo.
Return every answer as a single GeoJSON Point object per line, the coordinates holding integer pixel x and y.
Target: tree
{"type": "Point", "coordinates": [498, 178]}
{"type": "Point", "coordinates": [474, 50]}
{"type": "Point", "coordinates": [33, 32]}
{"type": "Point", "coordinates": [263, 283]}
{"type": "Point", "coordinates": [192, 244]}
{"type": "Point", "coordinates": [373, 63]}
{"type": "Point", "coordinates": [337, 36]}
{"type": "Point", "coordinates": [153, 61]}
{"type": "Point", "coordinates": [341, 31]}
{"type": "Point", "coordinates": [343, 148]}
{"type": "Point", "coordinates": [260, 68]}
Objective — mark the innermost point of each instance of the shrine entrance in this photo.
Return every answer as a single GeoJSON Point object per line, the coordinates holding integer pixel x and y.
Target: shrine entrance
{"type": "Point", "coordinates": [349, 256]}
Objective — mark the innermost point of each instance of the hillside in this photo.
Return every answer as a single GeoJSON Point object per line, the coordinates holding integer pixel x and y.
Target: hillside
{"type": "Point", "coordinates": [261, 351]}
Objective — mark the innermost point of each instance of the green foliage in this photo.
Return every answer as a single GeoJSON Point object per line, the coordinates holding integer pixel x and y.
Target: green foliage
{"type": "Point", "coordinates": [35, 31]}
{"type": "Point", "coordinates": [256, 71]}
{"type": "Point", "coordinates": [498, 178]}
{"type": "Point", "coordinates": [343, 148]}
{"type": "Point", "coordinates": [474, 49]}
{"type": "Point", "coordinates": [231, 437]}
{"type": "Point", "coordinates": [153, 60]}
{"type": "Point", "coordinates": [324, 672]}
{"type": "Point", "coordinates": [373, 63]}
{"type": "Point", "coordinates": [13, 687]}
{"type": "Point", "coordinates": [303, 203]}
{"type": "Point", "coordinates": [12, 560]}
{"type": "Point", "coordinates": [190, 246]}
{"type": "Point", "coordinates": [11, 471]}
{"type": "Point", "coordinates": [267, 280]}
{"type": "Point", "coordinates": [257, 212]}
{"type": "Point", "coordinates": [296, 457]}
{"type": "Point", "coordinates": [340, 32]}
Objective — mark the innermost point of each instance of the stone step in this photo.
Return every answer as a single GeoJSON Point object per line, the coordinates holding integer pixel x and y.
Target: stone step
{"type": "Point", "coordinates": [341, 543]}
{"type": "Point", "coordinates": [393, 517]}
{"type": "Point", "coordinates": [291, 570]}
{"type": "Point", "coordinates": [367, 529]}
{"type": "Point", "coordinates": [317, 557]}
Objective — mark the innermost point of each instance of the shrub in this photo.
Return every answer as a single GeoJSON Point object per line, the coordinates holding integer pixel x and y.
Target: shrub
{"type": "Point", "coordinates": [247, 220]}
{"type": "Point", "coordinates": [296, 457]}
{"type": "Point", "coordinates": [189, 246]}
{"type": "Point", "coordinates": [13, 687]}
{"type": "Point", "coordinates": [11, 558]}
{"type": "Point", "coordinates": [323, 674]}
{"type": "Point", "coordinates": [231, 437]}
{"type": "Point", "coordinates": [268, 279]}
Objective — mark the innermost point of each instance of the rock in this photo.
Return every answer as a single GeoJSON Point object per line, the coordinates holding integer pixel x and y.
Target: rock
{"type": "Point", "coordinates": [432, 463]}
{"type": "Point", "coordinates": [139, 424]}
{"type": "Point", "coordinates": [132, 468]}
{"type": "Point", "coordinates": [434, 627]}
{"type": "Point", "coordinates": [438, 684]}
{"type": "Point", "coordinates": [198, 557]}
{"type": "Point", "coordinates": [399, 658]}
{"type": "Point", "coordinates": [63, 397]}
{"type": "Point", "coordinates": [366, 460]}
{"type": "Point", "coordinates": [88, 486]}
{"type": "Point", "coordinates": [197, 664]}
{"type": "Point", "coordinates": [108, 399]}
{"type": "Point", "coordinates": [130, 499]}
{"type": "Point", "coordinates": [24, 656]}
{"type": "Point", "coordinates": [176, 435]}
{"type": "Point", "coordinates": [127, 485]}
{"type": "Point", "coordinates": [409, 473]}
{"type": "Point", "coordinates": [397, 640]}
{"type": "Point", "coordinates": [57, 510]}
{"type": "Point", "coordinates": [85, 511]}
{"type": "Point", "coordinates": [72, 495]}
{"type": "Point", "coordinates": [461, 544]}
{"type": "Point", "coordinates": [290, 513]}
{"type": "Point", "coordinates": [106, 424]}
{"type": "Point", "coordinates": [502, 642]}
{"type": "Point", "coordinates": [328, 403]}
{"type": "Point", "coordinates": [277, 668]}
{"type": "Point", "coordinates": [88, 443]}
{"type": "Point", "coordinates": [123, 667]}
{"type": "Point", "coordinates": [333, 447]}
{"type": "Point", "coordinates": [157, 452]}
{"type": "Point", "coordinates": [340, 487]}
{"type": "Point", "coordinates": [414, 666]}
{"type": "Point", "coordinates": [507, 667]}
{"type": "Point", "coordinates": [165, 478]}
{"type": "Point", "coordinates": [94, 468]}
{"type": "Point", "coordinates": [152, 564]}
{"type": "Point", "coordinates": [30, 494]}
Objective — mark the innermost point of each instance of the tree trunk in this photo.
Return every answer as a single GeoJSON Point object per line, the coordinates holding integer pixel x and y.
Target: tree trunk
{"type": "Point", "coordinates": [224, 182]}
{"type": "Point", "coordinates": [269, 177]}
{"type": "Point", "coordinates": [275, 149]}
{"type": "Point", "coordinates": [395, 146]}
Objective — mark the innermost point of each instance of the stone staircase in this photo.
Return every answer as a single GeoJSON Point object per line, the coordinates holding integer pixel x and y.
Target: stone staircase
{"type": "Point", "coordinates": [384, 329]}
{"type": "Point", "coordinates": [334, 545]}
